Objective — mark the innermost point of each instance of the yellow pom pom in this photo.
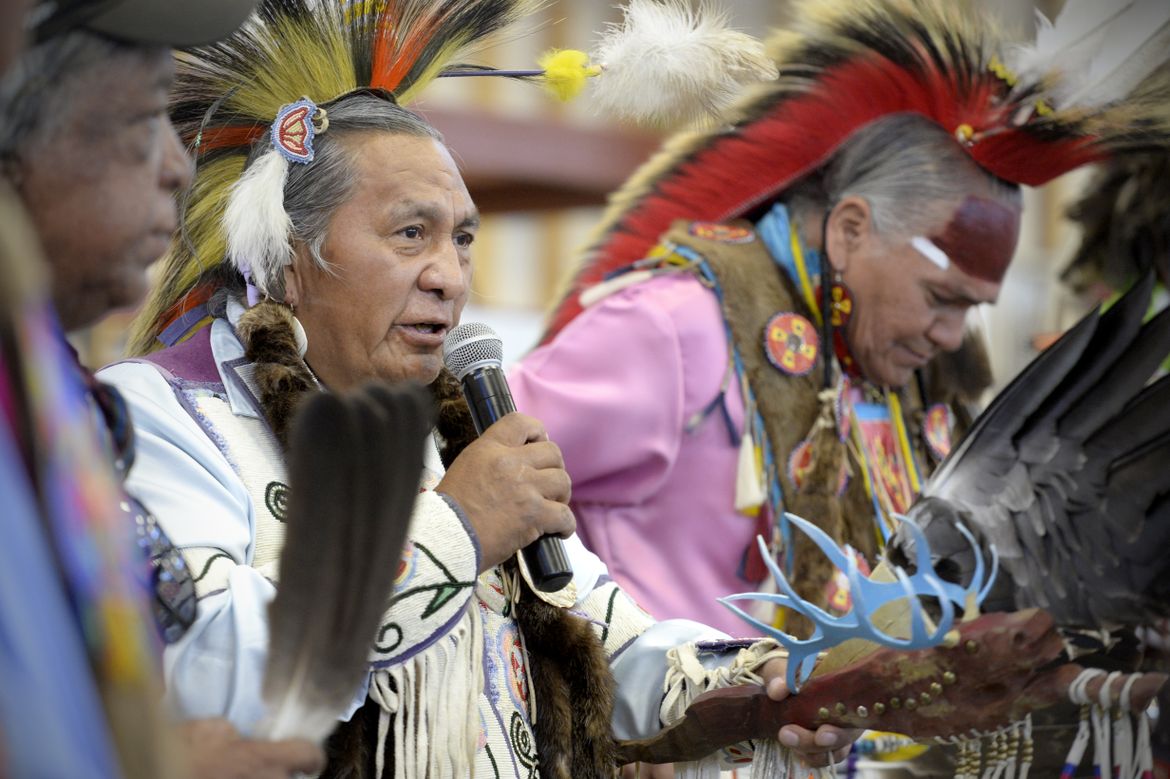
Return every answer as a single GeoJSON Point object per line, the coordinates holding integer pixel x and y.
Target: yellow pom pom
{"type": "Point", "coordinates": [565, 72]}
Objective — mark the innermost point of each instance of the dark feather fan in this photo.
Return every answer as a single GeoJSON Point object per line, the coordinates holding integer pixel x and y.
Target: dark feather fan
{"type": "Point", "coordinates": [1066, 474]}
{"type": "Point", "coordinates": [1126, 223]}
{"type": "Point", "coordinates": [354, 466]}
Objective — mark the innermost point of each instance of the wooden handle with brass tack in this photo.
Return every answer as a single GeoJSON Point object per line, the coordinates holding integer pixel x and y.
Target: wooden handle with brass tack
{"type": "Point", "coordinates": [1000, 670]}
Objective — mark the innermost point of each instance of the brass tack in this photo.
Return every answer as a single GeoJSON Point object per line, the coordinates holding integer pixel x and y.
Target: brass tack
{"type": "Point", "coordinates": [895, 703]}
{"type": "Point", "coordinates": [925, 698]}
{"type": "Point", "coordinates": [823, 713]}
{"type": "Point", "coordinates": [879, 708]}
{"type": "Point", "coordinates": [911, 704]}
{"type": "Point", "coordinates": [971, 647]}
{"type": "Point", "coordinates": [862, 712]}
{"type": "Point", "coordinates": [949, 678]}
{"type": "Point", "coordinates": [936, 688]}
{"type": "Point", "coordinates": [842, 709]}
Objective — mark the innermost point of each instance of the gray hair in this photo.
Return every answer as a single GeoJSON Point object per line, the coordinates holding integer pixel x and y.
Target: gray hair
{"type": "Point", "coordinates": [908, 169]}
{"type": "Point", "coordinates": [36, 94]}
{"type": "Point", "coordinates": [313, 192]}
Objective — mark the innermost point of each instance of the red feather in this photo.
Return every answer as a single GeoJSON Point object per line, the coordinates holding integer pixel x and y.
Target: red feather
{"type": "Point", "coordinates": [231, 137]}
{"type": "Point", "coordinates": [395, 55]}
{"type": "Point", "coordinates": [198, 295]}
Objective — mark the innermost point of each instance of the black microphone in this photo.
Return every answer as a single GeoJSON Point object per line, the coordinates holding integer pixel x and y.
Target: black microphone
{"type": "Point", "coordinates": [474, 354]}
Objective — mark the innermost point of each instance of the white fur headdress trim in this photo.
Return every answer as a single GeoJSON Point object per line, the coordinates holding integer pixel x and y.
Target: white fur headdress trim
{"type": "Point", "coordinates": [256, 224]}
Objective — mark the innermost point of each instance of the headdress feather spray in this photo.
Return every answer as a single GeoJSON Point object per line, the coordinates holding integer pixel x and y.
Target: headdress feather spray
{"type": "Point", "coordinates": [847, 63]}
{"type": "Point", "coordinates": [1100, 51]}
{"type": "Point", "coordinates": [668, 64]}
{"type": "Point", "coordinates": [1124, 225]}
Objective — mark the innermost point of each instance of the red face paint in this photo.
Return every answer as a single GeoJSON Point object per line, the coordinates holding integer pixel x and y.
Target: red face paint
{"type": "Point", "coordinates": [981, 238]}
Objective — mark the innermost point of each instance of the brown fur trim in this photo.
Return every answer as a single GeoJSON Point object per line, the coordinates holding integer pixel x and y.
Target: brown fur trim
{"type": "Point", "coordinates": [266, 331]}
{"type": "Point", "coordinates": [960, 377]}
{"type": "Point", "coordinates": [573, 690]}
{"type": "Point", "coordinates": [283, 380]}
{"type": "Point", "coordinates": [572, 682]}
{"type": "Point", "coordinates": [553, 727]}
{"type": "Point", "coordinates": [348, 749]}
{"type": "Point", "coordinates": [957, 379]}
{"type": "Point", "coordinates": [454, 423]}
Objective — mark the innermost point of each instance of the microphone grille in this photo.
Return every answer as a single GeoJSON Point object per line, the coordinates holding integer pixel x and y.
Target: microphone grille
{"type": "Point", "coordinates": [472, 345]}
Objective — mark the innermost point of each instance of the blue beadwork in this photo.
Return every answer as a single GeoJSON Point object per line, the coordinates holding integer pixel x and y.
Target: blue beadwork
{"type": "Point", "coordinates": [310, 131]}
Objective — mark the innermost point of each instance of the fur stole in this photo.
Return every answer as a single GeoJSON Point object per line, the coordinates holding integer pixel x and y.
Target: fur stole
{"type": "Point", "coordinates": [572, 682]}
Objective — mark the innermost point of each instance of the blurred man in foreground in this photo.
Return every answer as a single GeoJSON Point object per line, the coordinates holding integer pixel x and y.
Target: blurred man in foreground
{"type": "Point", "coordinates": [86, 144]}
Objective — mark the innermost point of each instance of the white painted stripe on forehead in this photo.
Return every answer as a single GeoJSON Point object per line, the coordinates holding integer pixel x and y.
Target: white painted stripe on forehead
{"type": "Point", "coordinates": [930, 251]}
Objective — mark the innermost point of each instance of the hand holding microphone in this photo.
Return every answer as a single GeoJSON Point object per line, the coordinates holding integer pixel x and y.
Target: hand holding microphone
{"type": "Point", "coordinates": [511, 483]}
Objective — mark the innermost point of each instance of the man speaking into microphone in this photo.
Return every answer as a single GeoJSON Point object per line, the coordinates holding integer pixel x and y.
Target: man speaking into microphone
{"type": "Point", "coordinates": [511, 483]}
{"type": "Point", "coordinates": [469, 672]}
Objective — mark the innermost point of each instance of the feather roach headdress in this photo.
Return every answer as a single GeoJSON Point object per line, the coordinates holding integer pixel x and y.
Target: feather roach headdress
{"type": "Point", "coordinates": [274, 80]}
{"type": "Point", "coordinates": [1024, 113]}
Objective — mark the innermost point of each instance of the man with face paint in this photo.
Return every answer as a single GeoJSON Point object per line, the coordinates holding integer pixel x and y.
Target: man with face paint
{"type": "Point", "coordinates": [768, 318]}
{"type": "Point", "coordinates": [893, 331]}
{"type": "Point", "coordinates": [910, 234]}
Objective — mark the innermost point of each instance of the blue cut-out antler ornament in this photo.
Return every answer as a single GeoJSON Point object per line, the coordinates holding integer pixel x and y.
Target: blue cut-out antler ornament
{"type": "Point", "coordinates": [868, 597]}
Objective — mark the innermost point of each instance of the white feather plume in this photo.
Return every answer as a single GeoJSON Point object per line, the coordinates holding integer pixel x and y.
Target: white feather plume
{"type": "Point", "coordinates": [1098, 51]}
{"type": "Point", "coordinates": [256, 224]}
{"type": "Point", "coordinates": [666, 64]}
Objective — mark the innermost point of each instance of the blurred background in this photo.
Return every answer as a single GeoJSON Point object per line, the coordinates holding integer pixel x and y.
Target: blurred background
{"type": "Point", "coordinates": [541, 170]}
